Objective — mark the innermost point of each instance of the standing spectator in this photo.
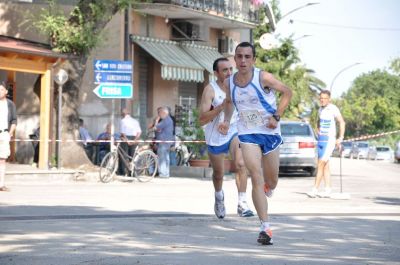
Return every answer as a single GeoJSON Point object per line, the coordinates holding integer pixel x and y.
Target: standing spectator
{"type": "Point", "coordinates": [164, 127]}
{"type": "Point", "coordinates": [172, 153]}
{"type": "Point", "coordinates": [130, 131]}
{"type": "Point", "coordinates": [8, 123]}
{"type": "Point", "coordinates": [86, 137]}
{"type": "Point", "coordinates": [328, 115]}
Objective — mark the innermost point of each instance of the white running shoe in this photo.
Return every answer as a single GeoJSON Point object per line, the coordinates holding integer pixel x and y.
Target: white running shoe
{"type": "Point", "coordinates": [219, 207]}
{"type": "Point", "coordinates": [325, 194]}
{"type": "Point", "coordinates": [313, 193]}
{"type": "Point", "coordinates": [243, 210]}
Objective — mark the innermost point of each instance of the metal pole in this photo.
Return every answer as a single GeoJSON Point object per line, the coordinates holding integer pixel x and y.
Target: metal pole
{"type": "Point", "coordinates": [341, 71]}
{"type": "Point", "coordinates": [341, 185]}
{"type": "Point", "coordinates": [112, 125]}
{"type": "Point", "coordinates": [59, 126]}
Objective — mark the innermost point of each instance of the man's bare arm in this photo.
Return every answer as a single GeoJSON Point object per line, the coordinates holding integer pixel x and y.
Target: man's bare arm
{"type": "Point", "coordinates": [270, 81]}
{"type": "Point", "coordinates": [206, 113]}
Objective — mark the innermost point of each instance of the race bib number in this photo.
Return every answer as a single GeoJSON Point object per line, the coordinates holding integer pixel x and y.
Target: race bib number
{"type": "Point", "coordinates": [251, 118]}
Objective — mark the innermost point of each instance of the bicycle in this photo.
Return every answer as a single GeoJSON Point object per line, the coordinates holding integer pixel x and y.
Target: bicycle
{"type": "Point", "coordinates": [142, 165]}
{"type": "Point", "coordinates": [183, 155]}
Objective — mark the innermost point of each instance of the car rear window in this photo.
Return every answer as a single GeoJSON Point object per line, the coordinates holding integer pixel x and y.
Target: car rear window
{"type": "Point", "coordinates": [347, 144]}
{"type": "Point", "coordinates": [362, 145]}
{"type": "Point", "coordinates": [382, 149]}
{"type": "Point", "coordinates": [295, 130]}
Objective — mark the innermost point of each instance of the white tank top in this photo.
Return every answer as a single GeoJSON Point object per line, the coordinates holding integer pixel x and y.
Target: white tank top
{"type": "Point", "coordinates": [327, 123]}
{"type": "Point", "coordinates": [255, 105]}
{"type": "Point", "coordinates": [213, 137]}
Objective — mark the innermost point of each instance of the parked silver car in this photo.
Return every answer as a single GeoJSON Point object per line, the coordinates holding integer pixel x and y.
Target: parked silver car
{"type": "Point", "coordinates": [380, 153]}
{"type": "Point", "coordinates": [298, 154]}
{"type": "Point", "coordinates": [344, 151]}
{"type": "Point", "coordinates": [359, 150]}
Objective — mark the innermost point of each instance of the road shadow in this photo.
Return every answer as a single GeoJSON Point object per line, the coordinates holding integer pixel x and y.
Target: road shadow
{"type": "Point", "coordinates": [91, 235]}
{"type": "Point", "coordinates": [387, 200]}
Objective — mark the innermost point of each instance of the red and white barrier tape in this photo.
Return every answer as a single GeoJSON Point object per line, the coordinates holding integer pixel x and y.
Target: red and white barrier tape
{"type": "Point", "coordinates": [364, 137]}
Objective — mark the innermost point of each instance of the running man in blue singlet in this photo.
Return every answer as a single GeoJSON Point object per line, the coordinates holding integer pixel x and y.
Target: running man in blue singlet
{"type": "Point", "coordinates": [328, 115]}
{"type": "Point", "coordinates": [252, 93]}
{"type": "Point", "coordinates": [211, 114]}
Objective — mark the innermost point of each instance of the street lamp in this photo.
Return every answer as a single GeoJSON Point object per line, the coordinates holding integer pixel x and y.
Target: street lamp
{"type": "Point", "coordinates": [271, 17]}
{"type": "Point", "coordinates": [298, 8]}
{"type": "Point", "coordinates": [269, 40]}
{"type": "Point", "coordinates": [341, 71]}
{"type": "Point", "coordinates": [301, 37]}
{"type": "Point", "coordinates": [60, 78]}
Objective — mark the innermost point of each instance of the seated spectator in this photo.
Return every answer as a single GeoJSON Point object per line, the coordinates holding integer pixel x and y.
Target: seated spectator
{"type": "Point", "coordinates": [104, 147]}
{"type": "Point", "coordinates": [86, 138]}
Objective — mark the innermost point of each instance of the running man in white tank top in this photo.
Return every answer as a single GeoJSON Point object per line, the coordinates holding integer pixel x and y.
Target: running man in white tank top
{"type": "Point", "coordinates": [252, 93]}
{"type": "Point", "coordinates": [218, 145]}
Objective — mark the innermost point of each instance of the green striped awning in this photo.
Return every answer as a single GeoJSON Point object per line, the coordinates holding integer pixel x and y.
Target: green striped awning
{"type": "Point", "coordinates": [176, 64]}
{"type": "Point", "coordinates": [204, 55]}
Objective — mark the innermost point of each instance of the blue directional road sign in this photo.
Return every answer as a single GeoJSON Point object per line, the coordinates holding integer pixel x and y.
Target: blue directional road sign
{"type": "Point", "coordinates": [112, 77]}
{"type": "Point", "coordinates": [106, 90]}
{"type": "Point", "coordinates": [113, 66]}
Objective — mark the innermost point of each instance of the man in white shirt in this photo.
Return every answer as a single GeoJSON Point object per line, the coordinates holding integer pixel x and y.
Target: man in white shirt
{"type": "Point", "coordinates": [8, 123]}
{"type": "Point", "coordinates": [328, 115]}
{"type": "Point", "coordinates": [130, 131]}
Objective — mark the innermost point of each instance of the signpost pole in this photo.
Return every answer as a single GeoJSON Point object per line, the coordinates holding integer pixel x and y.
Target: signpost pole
{"type": "Point", "coordinates": [112, 125]}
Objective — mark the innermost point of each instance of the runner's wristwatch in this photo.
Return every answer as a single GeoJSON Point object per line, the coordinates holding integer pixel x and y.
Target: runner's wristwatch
{"type": "Point", "coordinates": [276, 117]}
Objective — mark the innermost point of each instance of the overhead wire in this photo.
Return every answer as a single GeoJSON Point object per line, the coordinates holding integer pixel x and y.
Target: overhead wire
{"type": "Point", "coordinates": [344, 26]}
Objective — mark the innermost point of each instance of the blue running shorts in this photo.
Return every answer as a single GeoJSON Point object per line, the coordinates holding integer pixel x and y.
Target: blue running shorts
{"type": "Point", "coordinates": [221, 149]}
{"type": "Point", "coordinates": [325, 146]}
{"type": "Point", "coordinates": [267, 142]}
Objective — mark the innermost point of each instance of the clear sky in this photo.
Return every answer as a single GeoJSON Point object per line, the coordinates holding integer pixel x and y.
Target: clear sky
{"type": "Point", "coordinates": [336, 43]}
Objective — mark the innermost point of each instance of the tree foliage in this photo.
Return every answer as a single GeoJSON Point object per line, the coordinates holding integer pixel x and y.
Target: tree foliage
{"type": "Point", "coordinates": [79, 31]}
{"type": "Point", "coordinates": [372, 104]}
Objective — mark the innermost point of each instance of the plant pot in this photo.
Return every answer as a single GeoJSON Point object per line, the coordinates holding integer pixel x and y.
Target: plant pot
{"type": "Point", "coordinates": [199, 163]}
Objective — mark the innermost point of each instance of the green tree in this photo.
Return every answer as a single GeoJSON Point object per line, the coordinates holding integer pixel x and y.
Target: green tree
{"type": "Point", "coordinates": [77, 33]}
{"type": "Point", "coordinates": [284, 63]}
{"type": "Point", "coordinates": [395, 66]}
{"type": "Point", "coordinates": [372, 104]}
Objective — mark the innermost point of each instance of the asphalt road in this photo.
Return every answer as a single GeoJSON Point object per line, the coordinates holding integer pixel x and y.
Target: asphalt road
{"type": "Point", "coordinates": [171, 222]}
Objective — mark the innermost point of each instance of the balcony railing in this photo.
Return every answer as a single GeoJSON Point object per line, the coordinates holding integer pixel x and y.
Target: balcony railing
{"type": "Point", "coordinates": [243, 10]}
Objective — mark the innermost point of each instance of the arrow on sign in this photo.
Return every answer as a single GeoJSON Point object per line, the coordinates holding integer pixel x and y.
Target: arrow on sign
{"type": "Point", "coordinates": [114, 91]}
{"type": "Point", "coordinates": [98, 77]}
{"type": "Point", "coordinates": [98, 65]}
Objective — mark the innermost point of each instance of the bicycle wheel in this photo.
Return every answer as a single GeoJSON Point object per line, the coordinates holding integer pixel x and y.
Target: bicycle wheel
{"type": "Point", "coordinates": [179, 158]}
{"type": "Point", "coordinates": [108, 167]}
{"type": "Point", "coordinates": [145, 165]}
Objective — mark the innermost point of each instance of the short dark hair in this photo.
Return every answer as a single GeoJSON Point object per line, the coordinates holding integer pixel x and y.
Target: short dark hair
{"type": "Point", "coordinates": [216, 62]}
{"type": "Point", "coordinates": [326, 92]}
{"type": "Point", "coordinates": [2, 83]}
{"type": "Point", "coordinates": [247, 44]}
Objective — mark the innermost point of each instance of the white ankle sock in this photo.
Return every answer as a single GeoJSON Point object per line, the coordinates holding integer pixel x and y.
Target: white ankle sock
{"type": "Point", "coordinates": [242, 197]}
{"type": "Point", "coordinates": [219, 195]}
{"type": "Point", "coordinates": [264, 226]}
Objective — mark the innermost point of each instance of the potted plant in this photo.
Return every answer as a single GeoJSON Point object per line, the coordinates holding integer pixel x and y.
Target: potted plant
{"type": "Point", "coordinates": [193, 131]}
